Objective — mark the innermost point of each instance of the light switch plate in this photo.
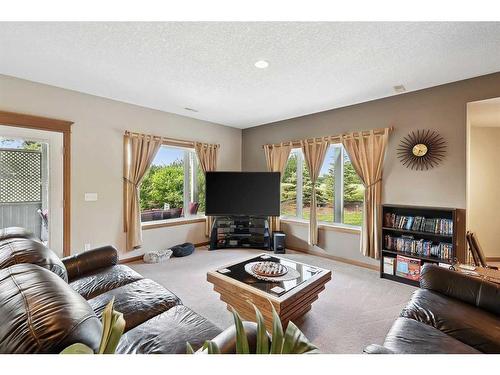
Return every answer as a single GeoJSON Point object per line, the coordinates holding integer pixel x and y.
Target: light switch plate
{"type": "Point", "coordinates": [90, 197]}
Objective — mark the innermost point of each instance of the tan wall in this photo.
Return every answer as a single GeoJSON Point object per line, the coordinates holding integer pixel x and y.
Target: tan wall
{"type": "Point", "coordinates": [442, 108]}
{"type": "Point", "coordinates": [344, 243]}
{"type": "Point", "coordinates": [97, 150]}
{"type": "Point", "coordinates": [484, 205]}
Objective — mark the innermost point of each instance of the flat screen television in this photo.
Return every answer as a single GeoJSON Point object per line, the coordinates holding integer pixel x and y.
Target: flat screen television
{"type": "Point", "coordinates": [242, 194]}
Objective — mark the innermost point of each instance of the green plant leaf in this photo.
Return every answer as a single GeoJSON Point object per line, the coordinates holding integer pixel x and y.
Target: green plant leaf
{"type": "Point", "coordinates": [295, 341]}
{"type": "Point", "coordinates": [241, 336]}
{"type": "Point", "coordinates": [77, 348]}
{"type": "Point", "coordinates": [189, 349]}
{"type": "Point", "coordinates": [212, 348]}
{"type": "Point", "coordinates": [113, 325]}
{"type": "Point", "coordinates": [277, 336]}
{"type": "Point", "coordinates": [262, 338]}
{"type": "Point", "coordinates": [116, 332]}
{"type": "Point", "coordinates": [107, 321]}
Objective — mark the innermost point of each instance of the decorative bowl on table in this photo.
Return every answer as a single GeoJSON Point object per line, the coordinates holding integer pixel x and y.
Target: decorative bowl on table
{"type": "Point", "coordinates": [269, 269]}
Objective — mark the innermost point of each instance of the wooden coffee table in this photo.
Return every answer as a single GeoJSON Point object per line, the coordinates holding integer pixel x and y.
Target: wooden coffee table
{"type": "Point", "coordinates": [291, 298]}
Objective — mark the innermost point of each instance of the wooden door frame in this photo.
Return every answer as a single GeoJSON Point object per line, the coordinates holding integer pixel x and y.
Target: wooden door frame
{"type": "Point", "coordinates": [44, 123]}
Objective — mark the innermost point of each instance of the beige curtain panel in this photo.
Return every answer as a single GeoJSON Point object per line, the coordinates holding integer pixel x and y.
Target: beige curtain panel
{"type": "Point", "coordinates": [139, 152]}
{"type": "Point", "coordinates": [276, 159]}
{"type": "Point", "coordinates": [314, 155]}
{"type": "Point", "coordinates": [367, 152]}
{"type": "Point", "coordinates": [207, 156]}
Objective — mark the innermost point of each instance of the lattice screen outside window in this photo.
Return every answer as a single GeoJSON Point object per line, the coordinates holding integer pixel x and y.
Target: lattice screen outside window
{"type": "Point", "coordinates": [20, 176]}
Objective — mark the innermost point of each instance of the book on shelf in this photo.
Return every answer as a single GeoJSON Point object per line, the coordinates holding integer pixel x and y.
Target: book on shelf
{"type": "Point", "coordinates": [420, 247]}
{"type": "Point", "coordinates": [419, 223]}
{"type": "Point", "coordinates": [408, 268]}
{"type": "Point", "coordinates": [389, 265]}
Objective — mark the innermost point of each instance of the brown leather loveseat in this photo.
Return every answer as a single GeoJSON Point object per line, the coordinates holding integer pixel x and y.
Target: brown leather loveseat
{"type": "Point", "coordinates": [47, 303]}
{"type": "Point", "coordinates": [450, 313]}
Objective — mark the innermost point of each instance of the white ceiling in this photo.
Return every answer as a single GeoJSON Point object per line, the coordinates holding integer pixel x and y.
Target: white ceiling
{"type": "Point", "coordinates": [485, 113]}
{"type": "Point", "coordinates": [210, 66]}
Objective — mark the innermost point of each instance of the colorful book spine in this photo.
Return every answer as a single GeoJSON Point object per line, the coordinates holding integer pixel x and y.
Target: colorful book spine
{"type": "Point", "coordinates": [419, 224]}
{"type": "Point", "coordinates": [420, 247]}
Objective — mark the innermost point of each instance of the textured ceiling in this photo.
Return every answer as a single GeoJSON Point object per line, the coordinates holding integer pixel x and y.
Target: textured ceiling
{"type": "Point", "coordinates": [210, 66]}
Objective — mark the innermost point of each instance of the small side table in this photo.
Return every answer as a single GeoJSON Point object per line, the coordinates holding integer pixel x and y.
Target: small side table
{"type": "Point", "coordinates": [488, 274]}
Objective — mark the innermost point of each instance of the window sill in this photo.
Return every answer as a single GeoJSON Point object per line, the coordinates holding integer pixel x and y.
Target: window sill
{"type": "Point", "coordinates": [172, 222]}
{"type": "Point", "coordinates": [324, 226]}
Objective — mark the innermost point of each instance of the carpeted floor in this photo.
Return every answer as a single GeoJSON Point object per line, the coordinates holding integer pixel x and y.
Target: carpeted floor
{"type": "Point", "coordinates": [356, 309]}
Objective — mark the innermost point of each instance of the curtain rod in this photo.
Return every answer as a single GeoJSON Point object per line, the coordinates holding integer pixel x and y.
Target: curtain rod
{"type": "Point", "coordinates": [330, 138]}
{"type": "Point", "coordinates": [165, 140]}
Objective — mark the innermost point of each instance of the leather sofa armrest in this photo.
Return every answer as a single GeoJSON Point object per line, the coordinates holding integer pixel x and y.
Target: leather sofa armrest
{"type": "Point", "coordinates": [473, 290]}
{"type": "Point", "coordinates": [16, 232]}
{"type": "Point", "coordinates": [377, 349]}
{"type": "Point", "coordinates": [226, 340]}
{"type": "Point", "coordinates": [80, 264]}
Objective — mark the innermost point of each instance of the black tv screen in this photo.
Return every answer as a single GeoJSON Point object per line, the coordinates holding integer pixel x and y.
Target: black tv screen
{"type": "Point", "coordinates": [242, 193]}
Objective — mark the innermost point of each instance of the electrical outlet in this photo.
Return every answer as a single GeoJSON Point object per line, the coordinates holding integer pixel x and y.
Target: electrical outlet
{"type": "Point", "coordinates": [87, 247]}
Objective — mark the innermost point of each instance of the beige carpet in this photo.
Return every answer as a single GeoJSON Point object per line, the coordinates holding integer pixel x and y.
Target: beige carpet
{"type": "Point", "coordinates": [356, 309]}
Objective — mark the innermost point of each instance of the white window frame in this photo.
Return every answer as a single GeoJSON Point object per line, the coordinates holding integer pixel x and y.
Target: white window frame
{"type": "Point", "coordinates": [190, 186]}
{"type": "Point", "coordinates": [338, 203]}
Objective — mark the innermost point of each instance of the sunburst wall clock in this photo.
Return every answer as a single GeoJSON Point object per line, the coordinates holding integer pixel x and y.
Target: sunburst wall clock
{"type": "Point", "coordinates": [423, 149]}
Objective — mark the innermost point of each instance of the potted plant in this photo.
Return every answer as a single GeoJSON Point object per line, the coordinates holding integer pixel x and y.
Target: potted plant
{"type": "Point", "coordinates": [113, 326]}
{"type": "Point", "coordinates": [291, 341]}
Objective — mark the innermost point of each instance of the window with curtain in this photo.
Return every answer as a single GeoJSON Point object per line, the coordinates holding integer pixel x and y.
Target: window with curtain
{"type": "Point", "coordinates": [173, 187]}
{"type": "Point", "coordinates": [339, 190]}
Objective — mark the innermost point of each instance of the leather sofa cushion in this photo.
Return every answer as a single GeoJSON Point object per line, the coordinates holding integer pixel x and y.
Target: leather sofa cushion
{"type": "Point", "coordinates": [15, 232]}
{"type": "Point", "coordinates": [473, 290]}
{"type": "Point", "coordinates": [408, 336]}
{"type": "Point", "coordinates": [462, 321]}
{"type": "Point", "coordinates": [103, 280]}
{"type": "Point", "coordinates": [168, 333]}
{"type": "Point", "coordinates": [138, 301]}
{"type": "Point", "coordinates": [22, 250]}
{"type": "Point", "coordinates": [40, 313]}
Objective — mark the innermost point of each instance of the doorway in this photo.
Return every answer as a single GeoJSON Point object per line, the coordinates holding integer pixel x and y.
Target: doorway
{"type": "Point", "coordinates": [483, 174]}
{"type": "Point", "coordinates": [31, 183]}
{"type": "Point", "coordinates": [51, 129]}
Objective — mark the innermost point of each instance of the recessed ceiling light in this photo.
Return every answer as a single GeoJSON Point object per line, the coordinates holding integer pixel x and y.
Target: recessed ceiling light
{"type": "Point", "coordinates": [261, 64]}
{"type": "Point", "coordinates": [399, 89]}
{"type": "Point", "coordinates": [190, 109]}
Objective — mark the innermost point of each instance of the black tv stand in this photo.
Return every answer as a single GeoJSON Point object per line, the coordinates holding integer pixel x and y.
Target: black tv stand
{"type": "Point", "coordinates": [240, 231]}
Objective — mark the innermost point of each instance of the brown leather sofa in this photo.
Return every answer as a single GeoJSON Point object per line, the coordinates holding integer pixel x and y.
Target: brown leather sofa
{"type": "Point", "coordinates": [450, 313]}
{"type": "Point", "coordinates": [47, 304]}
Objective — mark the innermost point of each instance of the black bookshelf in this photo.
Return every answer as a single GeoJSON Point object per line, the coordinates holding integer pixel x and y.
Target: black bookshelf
{"type": "Point", "coordinates": [449, 235]}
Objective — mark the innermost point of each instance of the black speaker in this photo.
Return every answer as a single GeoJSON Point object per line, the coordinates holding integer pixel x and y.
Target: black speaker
{"type": "Point", "coordinates": [279, 242]}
